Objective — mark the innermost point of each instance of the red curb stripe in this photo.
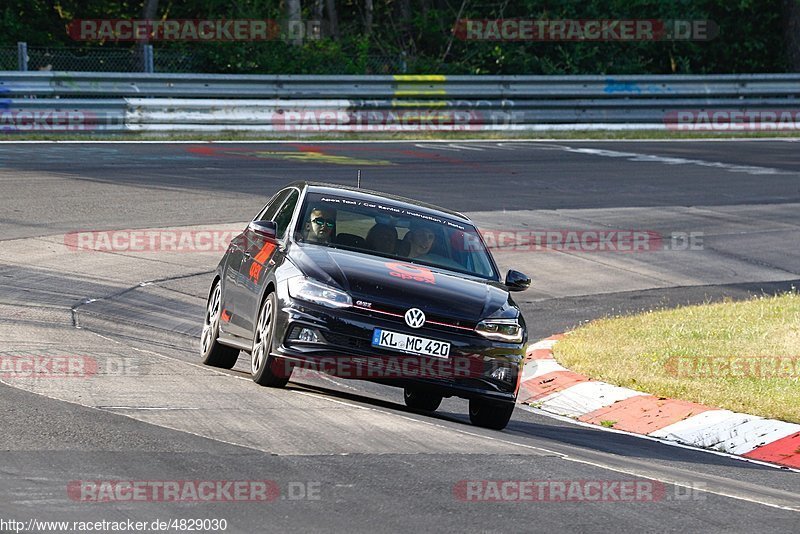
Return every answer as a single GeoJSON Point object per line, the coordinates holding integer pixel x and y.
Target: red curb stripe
{"type": "Point", "coordinates": [556, 337]}
{"type": "Point", "coordinates": [542, 386]}
{"type": "Point", "coordinates": [785, 451]}
{"type": "Point", "coordinates": [539, 354]}
{"type": "Point", "coordinates": [644, 414]}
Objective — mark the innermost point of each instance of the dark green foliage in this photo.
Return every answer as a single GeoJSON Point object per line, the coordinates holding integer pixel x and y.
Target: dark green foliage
{"type": "Point", "coordinates": [751, 36]}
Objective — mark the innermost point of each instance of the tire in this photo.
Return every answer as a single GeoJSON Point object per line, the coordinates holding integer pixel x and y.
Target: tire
{"type": "Point", "coordinates": [212, 351]}
{"type": "Point", "coordinates": [487, 414]}
{"type": "Point", "coordinates": [266, 369]}
{"type": "Point", "coordinates": [421, 400]}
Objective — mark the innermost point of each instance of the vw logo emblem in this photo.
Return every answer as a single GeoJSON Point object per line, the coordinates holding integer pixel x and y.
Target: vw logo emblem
{"type": "Point", "coordinates": [415, 318]}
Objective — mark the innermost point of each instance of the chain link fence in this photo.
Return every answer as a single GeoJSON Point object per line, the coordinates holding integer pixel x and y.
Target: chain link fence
{"type": "Point", "coordinates": [386, 65]}
{"type": "Point", "coordinates": [85, 60]}
{"type": "Point", "coordinates": [97, 60]}
{"type": "Point", "coordinates": [136, 59]}
{"type": "Point", "coordinates": [8, 59]}
{"type": "Point", "coordinates": [133, 60]}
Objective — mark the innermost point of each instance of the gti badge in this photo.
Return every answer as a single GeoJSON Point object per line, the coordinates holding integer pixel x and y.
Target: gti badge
{"type": "Point", "coordinates": [415, 318]}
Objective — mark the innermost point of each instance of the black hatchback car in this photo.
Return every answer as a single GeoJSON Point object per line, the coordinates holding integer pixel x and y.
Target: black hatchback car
{"type": "Point", "coordinates": [360, 284]}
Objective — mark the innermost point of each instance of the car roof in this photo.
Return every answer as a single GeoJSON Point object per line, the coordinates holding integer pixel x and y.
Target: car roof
{"type": "Point", "coordinates": [367, 194]}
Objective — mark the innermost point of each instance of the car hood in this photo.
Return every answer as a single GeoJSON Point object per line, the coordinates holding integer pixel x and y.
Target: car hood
{"type": "Point", "coordinates": [394, 284]}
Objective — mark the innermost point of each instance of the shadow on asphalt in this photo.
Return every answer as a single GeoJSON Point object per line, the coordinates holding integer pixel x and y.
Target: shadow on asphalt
{"type": "Point", "coordinates": [561, 433]}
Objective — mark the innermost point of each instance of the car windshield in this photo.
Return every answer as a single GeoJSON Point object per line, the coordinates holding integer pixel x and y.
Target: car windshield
{"type": "Point", "coordinates": [394, 231]}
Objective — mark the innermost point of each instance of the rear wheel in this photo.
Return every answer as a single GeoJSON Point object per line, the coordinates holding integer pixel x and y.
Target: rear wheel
{"type": "Point", "coordinates": [421, 400]}
{"type": "Point", "coordinates": [494, 415]}
{"type": "Point", "coordinates": [212, 352]}
{"type": "Point", "coordinates": [266, 369]}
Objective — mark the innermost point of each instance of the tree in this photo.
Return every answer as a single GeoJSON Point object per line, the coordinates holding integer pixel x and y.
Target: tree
{"type": "Point", "coordinates": [293, 18]}
{"type": "Point", "coordinates": [403, 28]}
{"type": "Point", "coordinates": [791, 17]}
{"type": "Point", "coordinates": [368, 11]}
{"type": "Point", "coordinates": [149, 10]}
{"type": "Point", "coordinates": [334, 19]}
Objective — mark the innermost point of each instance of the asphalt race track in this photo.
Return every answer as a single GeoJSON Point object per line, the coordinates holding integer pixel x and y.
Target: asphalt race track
{"type": "Point", "coordinates": [348, 454]}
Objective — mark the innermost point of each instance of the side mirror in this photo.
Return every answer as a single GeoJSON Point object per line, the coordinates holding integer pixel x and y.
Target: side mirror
{"type": "Point", "coordinates": [516, 281]}
{"type": "Point", "coordinates": [266, 229]}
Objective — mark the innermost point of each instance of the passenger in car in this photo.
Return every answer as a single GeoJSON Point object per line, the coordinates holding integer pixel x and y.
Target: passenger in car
{"type": "Point", "coordinates": [418, 242]}
{"type": "Point", "coordinates": [320, 225]}
{"type": "Point", "coordinates": [382, 238]}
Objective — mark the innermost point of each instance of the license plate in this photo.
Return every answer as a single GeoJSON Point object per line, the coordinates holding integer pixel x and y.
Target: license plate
{"type": "Point", "coordinates": [412, 344]}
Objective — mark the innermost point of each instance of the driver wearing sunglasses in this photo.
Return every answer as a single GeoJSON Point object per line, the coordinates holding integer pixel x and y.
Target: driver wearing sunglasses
{"type": "Point", "coordinates": [319, 228]}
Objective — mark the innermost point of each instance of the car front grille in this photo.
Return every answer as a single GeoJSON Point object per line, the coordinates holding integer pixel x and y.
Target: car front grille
{"type": "Point", "coordinates": [431, 322]}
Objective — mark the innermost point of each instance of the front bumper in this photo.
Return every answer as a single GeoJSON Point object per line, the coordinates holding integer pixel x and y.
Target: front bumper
{"type": "Point", "coordinates": [476, 367]}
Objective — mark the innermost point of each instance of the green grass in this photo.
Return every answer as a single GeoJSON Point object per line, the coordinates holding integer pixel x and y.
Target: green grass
{"type": "Point", "coordinates": [686, 353]}
{"type": "Point", "coordinates": [398, 136]}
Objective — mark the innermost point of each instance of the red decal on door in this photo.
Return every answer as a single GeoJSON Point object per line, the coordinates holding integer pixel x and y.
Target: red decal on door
{"type": "Point", "coordinates": [260, 259]}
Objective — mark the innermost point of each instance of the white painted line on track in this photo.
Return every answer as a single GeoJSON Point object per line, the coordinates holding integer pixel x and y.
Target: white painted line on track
{"type": "Point", "coordinates": [541, 450]}
{"type": "Point", "coordinates": [684, 484]}
{"type": "Point", "coordinates": [576, 422]}
{"type": "Point", "coordinates": [563, 456]}
{"type": "Point", "coordinates": [445, 148]}
{"type": "Point", "coordinates": [465, 146]}
{"type": "Point", "coordinates": [650, 158]}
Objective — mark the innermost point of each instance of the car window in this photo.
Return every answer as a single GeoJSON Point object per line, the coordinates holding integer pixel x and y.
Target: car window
{"type": "Point", "coordinates": [268, 213]}
{"type": "Point", "coordinates": [284, 215]}
{"type": "Point", "coordinates": [396, 232]}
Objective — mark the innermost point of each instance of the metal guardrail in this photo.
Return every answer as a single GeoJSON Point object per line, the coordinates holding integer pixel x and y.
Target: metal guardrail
{"type": "Point", "coordinates": [121, 101]}
{"type": "Point", "coordinates": [303, 86]}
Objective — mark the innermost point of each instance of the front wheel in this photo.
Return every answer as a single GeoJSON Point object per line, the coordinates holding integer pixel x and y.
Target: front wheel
{"type": "Point", "coordinates": [212, 352]}
{"type": "Point", "coordinates": [494, 415]}
{"type": "Point", "coordinates": [265, 368]}
{"type": "Point", "coordinates": [421, 400]}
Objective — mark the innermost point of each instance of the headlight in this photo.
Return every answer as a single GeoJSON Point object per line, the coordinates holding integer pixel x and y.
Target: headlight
{"type": "Point", "coordinates": [508, 330]}
{"type": "Point", "coordinates": [305, 289]}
